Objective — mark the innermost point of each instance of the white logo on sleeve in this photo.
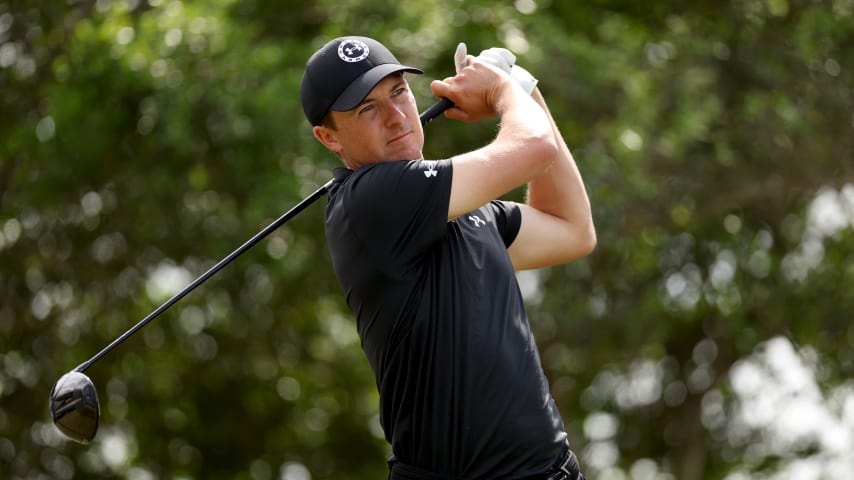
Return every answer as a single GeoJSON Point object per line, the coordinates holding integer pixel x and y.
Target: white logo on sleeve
{"type": "Point", "coordinates": [431, 169]}
{"type": "Point", "coordinates": [477, 220]}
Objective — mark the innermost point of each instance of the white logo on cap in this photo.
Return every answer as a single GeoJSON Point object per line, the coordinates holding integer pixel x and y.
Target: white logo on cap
{"type": "Point", "coordinates": [352, 51]}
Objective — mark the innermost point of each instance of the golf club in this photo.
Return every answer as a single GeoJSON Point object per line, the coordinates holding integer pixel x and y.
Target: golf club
{"type": "Point", "coordinates": [74, 402]}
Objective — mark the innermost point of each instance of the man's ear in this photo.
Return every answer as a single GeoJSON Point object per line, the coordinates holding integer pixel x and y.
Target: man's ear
{"type": "Point", "coordinates": [327, 137]}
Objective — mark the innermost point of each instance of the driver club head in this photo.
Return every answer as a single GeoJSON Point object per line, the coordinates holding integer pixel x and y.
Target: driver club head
{"type": "Point", "coordinates": [74, 407]}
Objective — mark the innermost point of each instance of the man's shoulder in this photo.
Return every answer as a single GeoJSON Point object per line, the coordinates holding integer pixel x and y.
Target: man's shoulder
{"type": "Point", "coordinates": [402, 175]}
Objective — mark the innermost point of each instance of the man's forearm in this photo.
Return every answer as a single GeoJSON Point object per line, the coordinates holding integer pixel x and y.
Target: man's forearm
{"type": "Point", "coordinates": [560, 190]}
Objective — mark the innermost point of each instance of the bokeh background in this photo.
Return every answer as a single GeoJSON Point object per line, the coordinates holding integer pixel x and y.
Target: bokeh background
{"type": "Point", "coordinates": [709, 336]}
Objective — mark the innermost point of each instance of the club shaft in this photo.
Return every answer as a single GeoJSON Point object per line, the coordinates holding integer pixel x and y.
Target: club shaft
{"type": "Point", "coordinates": [211, 271]}
{"type": "Point", "coordinates": [428, 115]}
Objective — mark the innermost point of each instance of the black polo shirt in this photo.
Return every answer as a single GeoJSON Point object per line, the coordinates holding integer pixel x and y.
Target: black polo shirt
{"type": "Point", "coordinates": [442, 322]}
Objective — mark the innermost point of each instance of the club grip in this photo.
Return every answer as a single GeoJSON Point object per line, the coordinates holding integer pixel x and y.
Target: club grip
{"type": "Point", "coordinates": [435, 110]}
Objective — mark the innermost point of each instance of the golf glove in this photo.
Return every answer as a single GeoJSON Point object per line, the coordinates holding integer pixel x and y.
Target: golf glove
{"type": "Point", "coordinates": [505, 60]}
{"type": "Point", "coordinates": [460, 57]}
{"type": "Point", "coordinates": [500, 58]}
{"type": "Point", "coordinates": [523, 78]}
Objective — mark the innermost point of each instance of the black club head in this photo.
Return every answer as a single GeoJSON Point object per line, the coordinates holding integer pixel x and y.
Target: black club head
{"type": "Point", "coordinates": [74, 407]}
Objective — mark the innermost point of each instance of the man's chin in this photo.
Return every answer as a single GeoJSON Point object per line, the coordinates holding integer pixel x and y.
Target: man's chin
{"type": "Point", "coordinates": [411, 153]}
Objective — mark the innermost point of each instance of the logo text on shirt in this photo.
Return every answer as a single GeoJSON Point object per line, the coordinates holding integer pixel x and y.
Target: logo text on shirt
{"type": "Point", "coordinates": [477, 220]}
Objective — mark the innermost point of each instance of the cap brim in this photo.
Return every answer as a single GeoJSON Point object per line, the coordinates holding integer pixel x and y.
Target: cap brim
{"type": "Point", "coordinates": [353, 95]}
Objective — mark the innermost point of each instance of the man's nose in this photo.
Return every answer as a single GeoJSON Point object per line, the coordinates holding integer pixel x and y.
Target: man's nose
{"type": "Point", "coordinates": [394, 114]}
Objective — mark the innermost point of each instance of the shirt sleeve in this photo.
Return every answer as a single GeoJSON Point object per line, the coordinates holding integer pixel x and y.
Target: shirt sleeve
{"type": "Point", "coordinates": [399, 209]}
{"type": "Point", "coordinates": [508, 219]}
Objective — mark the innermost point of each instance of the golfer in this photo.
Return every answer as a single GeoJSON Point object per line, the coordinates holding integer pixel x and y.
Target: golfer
{"type": "Point", "coordinates": [426, 257]}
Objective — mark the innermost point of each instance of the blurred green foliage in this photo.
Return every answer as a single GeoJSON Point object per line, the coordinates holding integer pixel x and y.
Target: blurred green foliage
{"type": "Point", "coordinates": [141, 141]}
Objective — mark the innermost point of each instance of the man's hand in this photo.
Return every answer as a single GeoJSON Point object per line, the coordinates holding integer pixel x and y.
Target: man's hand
{"type": "Point", "coordinates": [497, 57]}
{"type": "Point", "coordinates": [476, 91]}
{"type": "Point", "coordinates": [484, 105]}
{"type": "Point", "coordinates": [501, 58]}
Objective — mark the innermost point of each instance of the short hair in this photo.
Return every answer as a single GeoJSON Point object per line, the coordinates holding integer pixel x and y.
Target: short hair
{"type": "Point", "coordinates": [328, 121]}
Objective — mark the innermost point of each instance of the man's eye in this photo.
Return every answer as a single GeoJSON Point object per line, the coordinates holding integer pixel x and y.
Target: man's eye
{"type": "Point", "coordinates": [366, 109]}
{"type": "Point", "coordinates": [399, 91]}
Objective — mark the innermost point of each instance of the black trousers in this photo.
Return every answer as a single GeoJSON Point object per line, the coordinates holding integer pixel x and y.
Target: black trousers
{"type": "Point", "coordinates": [565, 468]}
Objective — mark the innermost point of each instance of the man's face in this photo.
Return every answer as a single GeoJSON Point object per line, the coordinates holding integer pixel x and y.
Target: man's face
{"type": "Point", "coordinates": [384, 127]}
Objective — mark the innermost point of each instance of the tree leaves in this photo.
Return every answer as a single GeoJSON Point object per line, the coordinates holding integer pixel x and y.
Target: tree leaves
{"type": "Point", "coordinates": [143, 138]}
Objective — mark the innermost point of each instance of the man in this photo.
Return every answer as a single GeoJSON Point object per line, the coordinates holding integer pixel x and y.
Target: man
{"type": "Point", "coordinates": [426, 257]}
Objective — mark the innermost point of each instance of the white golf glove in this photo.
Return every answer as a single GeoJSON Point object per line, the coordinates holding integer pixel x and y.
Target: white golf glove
{"type": "Point", "coordinates": [505, 60]}
{"type": "Point", "coordinates": [460, 57]}
{"type": "Point", "coordinates": [524, 78]}
{"type": "Point", "coordinates": [500, 58]}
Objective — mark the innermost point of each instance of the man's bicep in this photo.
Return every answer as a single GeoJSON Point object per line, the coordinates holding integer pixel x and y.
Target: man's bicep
{"type": "Point", "coordinates": [474, 183]}
{"type": "Point", "coordinates": [545, 240]}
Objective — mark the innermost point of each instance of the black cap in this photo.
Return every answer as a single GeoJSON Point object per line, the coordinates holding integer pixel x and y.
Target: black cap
{"type": "Point", "coordinates": [342, 73]}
